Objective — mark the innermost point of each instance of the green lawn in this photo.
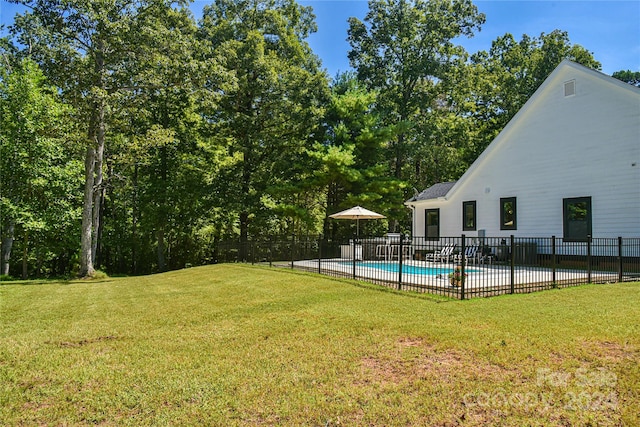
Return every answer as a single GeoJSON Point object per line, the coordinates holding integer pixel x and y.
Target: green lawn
{"type": "Point", "coordinates": [242, 345]}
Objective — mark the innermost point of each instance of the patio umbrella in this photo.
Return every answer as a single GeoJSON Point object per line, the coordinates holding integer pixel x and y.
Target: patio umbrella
{"type": "Point", "coordinates": [357, 213]}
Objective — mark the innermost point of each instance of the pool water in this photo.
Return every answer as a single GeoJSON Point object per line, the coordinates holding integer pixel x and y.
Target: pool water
{"type": "Point", "coordinates": [392, 267]}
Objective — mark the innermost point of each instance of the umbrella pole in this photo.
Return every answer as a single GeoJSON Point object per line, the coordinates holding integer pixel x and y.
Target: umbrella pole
{"type": "Point", "coordinates": [355, 243]}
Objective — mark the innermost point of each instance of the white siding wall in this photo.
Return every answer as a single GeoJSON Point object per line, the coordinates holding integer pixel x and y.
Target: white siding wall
{"type": "Point", "coordinates": [557, 147]}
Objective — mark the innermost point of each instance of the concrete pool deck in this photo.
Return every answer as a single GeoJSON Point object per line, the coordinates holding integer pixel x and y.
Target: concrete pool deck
{"type": "Point", "coordinates": [479, 277]}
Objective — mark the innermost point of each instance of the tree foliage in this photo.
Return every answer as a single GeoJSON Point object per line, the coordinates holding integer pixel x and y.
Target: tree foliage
{"type": "Point", "coordinates": [405, 50]}
{"type": "Point", "coordinates": [628, 76]}
{"type": "Point", "coordinates": [269, 117]}
{"type": "Point", "coordinates": [192, 133]}
{"type": "Point", "coordinates": [352, 167]}
{"type": "Point", "coordinates": [39, 171]}
{"type": "Point", "coordinates": [96, 52]}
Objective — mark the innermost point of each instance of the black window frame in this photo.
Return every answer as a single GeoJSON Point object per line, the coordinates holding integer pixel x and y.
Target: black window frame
{"type": "Point", "coordinates": [474, 217]}
{"type": "Point", "coordinates": [568, 234]}
{"type": "Point", "coordinates": [503, 202]}
{"type": "Point", "coordinates": [426, 224]}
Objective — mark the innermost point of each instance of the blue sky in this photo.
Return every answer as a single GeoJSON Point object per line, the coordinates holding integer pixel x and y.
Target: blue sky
{"type": "Point", "coordinates": [609, 29]}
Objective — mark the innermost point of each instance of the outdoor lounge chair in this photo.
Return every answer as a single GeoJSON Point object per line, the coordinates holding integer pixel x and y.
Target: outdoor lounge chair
{"type": "Point", "coordinates": [470, 255]}
{"type": "Point", "coordinates": [445, 254]}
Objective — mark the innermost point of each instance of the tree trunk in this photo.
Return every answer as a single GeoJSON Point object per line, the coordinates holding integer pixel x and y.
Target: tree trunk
{"type": "Point", "coordinates": [25, 253]}
{"type": "Point", "coordinates": [162, 265]}
{"type": "Point", "coordinates": [246, 197]}
{"type": "Point", "coordinates": [7, 244]}
{"type": "Point", "coordinates": [95, 152]}
{"type": "Point", "coordinates": [163, 208]}
{"type": "Point", "coordinates": [134, 223]}
{"type": "Point", "coordinates": [86, 258]}
{"type": "Point", "coordinates": [399, 154]}
{"type": "Point", "coordinates": [244, 215]}
{"type": "Point", "coordinates": [98, 191]}
{"type": "Point", "coordinates": [394, 224]}
{"type": "Point", "coordinates": [244, 235]}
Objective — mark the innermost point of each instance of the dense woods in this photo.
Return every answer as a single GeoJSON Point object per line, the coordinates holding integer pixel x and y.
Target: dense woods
{"type": "Point", "coordinates": [134, 139]}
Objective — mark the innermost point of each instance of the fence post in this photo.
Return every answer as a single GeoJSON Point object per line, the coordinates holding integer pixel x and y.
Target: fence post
{"type": "Point", "coordinates": [462, 266]}
{"type": "Point", "coordinates": [553, 261]}
{"type": "Point", "coordinates": [355, 245]}
{"type": "Point", "coordinates": [252, 253]}
{"type": "Point", "coordinates": [270, 252]}
{"type": "Point", "coordinates": [400, 263]}
{"type": "Point", "coordinates": [620, 263]}
{"type": "Point", "coordinates": [293, 248]}
{"type": "Point", "coordinates": [320, 254]}
{"type": "Point", "coordinates": [588, 258]}
{"type": "Point", "coordinates": [513, 263]}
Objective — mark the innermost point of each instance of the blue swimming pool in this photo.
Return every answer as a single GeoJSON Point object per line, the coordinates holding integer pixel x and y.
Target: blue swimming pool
{"type": "Point", "coordinates": [392, 267]}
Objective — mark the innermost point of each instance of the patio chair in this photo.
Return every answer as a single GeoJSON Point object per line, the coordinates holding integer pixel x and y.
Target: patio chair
{"type": "Point", "coordinates": [445, 254]}
{"type": "Point", "coordinates": [485, 255]}
{"type": "Point", "coordinates": [389, 249]}
{"type": "Point", "coordinates": [470, 255]}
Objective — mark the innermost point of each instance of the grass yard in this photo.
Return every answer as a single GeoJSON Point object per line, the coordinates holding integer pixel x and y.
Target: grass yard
{"type": "Point", "coordinates": [241, 345]}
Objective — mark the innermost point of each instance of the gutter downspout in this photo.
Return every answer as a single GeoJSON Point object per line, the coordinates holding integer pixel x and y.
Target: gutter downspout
{"type": "Point", "coordinates": [413, 221]}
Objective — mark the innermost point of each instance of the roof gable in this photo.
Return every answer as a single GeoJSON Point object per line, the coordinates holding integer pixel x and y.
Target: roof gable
{"type": "Point", "coordinates": [565, 67]}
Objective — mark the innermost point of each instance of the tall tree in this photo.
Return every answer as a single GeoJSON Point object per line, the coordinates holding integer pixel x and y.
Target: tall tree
{"type": "Point", "coordinates": [38, 174]}
{"type": "Point", "coordinates": [161, 117]}
{"type": "Point", "coordinates": [83, 45]}
{"type": "Point", "coordinates": [352, 166]}
{"type": "Point", "coordinates": [404, 49]}
{"type": "Point", "coordinates": [268, 119]}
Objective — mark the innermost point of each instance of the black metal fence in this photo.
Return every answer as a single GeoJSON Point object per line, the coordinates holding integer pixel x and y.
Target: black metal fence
{"type": "Point", "coordinates": [458, 267]}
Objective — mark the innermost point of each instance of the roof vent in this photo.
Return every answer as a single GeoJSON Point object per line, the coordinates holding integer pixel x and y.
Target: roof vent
{"type": "Point", "coordinates": [570, 88]}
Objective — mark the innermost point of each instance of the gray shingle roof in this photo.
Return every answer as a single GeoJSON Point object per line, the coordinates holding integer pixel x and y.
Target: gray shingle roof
{"type": "Point", "coordinates": [437, 190]}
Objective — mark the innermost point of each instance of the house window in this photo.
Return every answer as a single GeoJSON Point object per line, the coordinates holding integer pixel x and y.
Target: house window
{"type": "Point", "coordinates": [577, 218]}
{"type": "Point", "coordinates": [508, 213]}
{"type": "Point", "coordinates": [469, 215]}
{"type": "Point", "coordinates": [432, 224]}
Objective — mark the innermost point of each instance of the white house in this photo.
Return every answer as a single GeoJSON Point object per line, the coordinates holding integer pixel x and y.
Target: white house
{"type": "Point", "coordinates": [566, 165]}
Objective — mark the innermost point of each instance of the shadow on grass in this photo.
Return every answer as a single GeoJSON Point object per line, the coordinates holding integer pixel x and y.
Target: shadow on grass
{"type": "Point", "coordinates": [61, 282]}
